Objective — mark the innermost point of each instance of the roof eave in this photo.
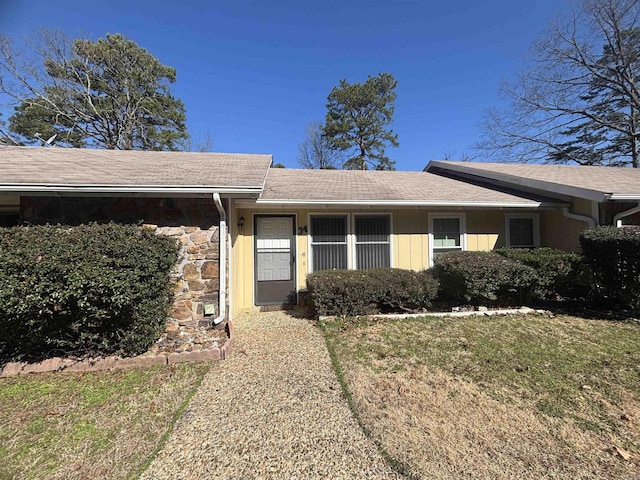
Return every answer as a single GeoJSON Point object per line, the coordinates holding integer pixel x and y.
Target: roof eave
{"type": "Point", "coordinates": [123, 190]}
{"type": "Point", "coordinates": [403, 203]}
{"type": "Point", "coordinates": [515, 181]}
{"type": "Point", "coordinates": [624, 196]}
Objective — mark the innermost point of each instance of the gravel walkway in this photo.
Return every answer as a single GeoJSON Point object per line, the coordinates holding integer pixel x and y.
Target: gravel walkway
{"type": "Point", "coordinates": [274, 409]}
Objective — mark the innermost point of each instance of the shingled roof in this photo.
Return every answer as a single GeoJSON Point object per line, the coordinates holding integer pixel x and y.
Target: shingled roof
{"type": "Point", "coordinates": [384, 188]}
{"type": "Point", "coordinates": [52, 169]}
{"type": "Point", "coordinates": [590, 182]}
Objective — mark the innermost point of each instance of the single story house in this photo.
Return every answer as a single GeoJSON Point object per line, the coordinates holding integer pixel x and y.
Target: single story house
{"type": "Point", "coordinates": [251, 233]}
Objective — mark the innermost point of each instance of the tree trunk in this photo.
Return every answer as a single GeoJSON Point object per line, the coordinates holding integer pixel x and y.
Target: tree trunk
{"type": "Point", "coordinates": [634, 138]}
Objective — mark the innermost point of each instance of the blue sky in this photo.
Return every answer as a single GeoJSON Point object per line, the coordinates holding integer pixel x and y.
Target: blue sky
{"type": "Point", "coordinates": [252, 74]}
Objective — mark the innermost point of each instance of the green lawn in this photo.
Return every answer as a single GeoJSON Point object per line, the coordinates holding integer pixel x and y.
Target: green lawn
{"type": "Point", "coordinates": [102, 424]}
{"type": "Point", "coordinates": [510, 396]}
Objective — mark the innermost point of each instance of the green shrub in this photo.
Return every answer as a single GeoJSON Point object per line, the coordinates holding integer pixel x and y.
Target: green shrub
{"type": "Point", "coordinates": [614, 257]}
{"type": "Point", "coordinates": [365, 292]}
{"type": "Point", "coordinates": [557, 273]}
{"type": "Point", "coordinates": [86, 290]}
{"type": "Point", "coordinates": [481, 277]}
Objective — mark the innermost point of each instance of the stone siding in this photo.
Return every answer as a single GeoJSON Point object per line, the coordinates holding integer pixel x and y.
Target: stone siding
{"type": "Point", "coordinates": [192, 222]}
{"type": "Point", "coordinates": [196, 274]}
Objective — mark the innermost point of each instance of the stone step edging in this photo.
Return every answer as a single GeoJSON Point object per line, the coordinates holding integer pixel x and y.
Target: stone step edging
{"type": "Point", "coordinates": [471, 313]}
{"type": "Point", "coordinates": [58, 364]}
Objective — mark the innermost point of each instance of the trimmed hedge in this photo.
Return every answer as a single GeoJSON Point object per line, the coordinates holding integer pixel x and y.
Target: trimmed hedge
{"type": "Point", "coordinates": [366, 292]}
{"type": "Point", "coordinates": [557, 273]}
{"type": "Point", "coordinates": [614, 257]}
{"type": "Point", "coordinates": [481, 277]}
{"type": "Point", "coordinates": [86, 290]}
{"type": "Point", "coordinates": [511, 275]}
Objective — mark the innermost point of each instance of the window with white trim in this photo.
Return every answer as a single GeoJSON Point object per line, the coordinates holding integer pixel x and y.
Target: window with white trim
{"type": "Point", "coordinates": [447, 233]}
{"type": "Point", "coordinates": [350, 241]}
{"type": "Point", "coordinates": [373, 241]}
{"type": "Point", "coordinates": [523, 230]}
{"type": "Point", "coordinates": [329, 242]}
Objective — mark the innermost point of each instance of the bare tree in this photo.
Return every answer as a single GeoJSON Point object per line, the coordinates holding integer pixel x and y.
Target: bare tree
{"type": "Point", "coordinates": [315, 151]}
{"type": "Point", "coordinates": [452, 156]}
{"type": "Point", "coordinates": [199, 143]}
{"type": "Point", "coordinates": [578, 98]}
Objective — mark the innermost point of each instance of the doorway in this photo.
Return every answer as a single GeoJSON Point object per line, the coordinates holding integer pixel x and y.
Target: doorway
{"type": "Point", "coordinates": [275, 260]}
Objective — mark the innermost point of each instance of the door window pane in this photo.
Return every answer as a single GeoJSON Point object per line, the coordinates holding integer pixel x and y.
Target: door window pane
{"type": "Point", "coordinates": [273, 248]}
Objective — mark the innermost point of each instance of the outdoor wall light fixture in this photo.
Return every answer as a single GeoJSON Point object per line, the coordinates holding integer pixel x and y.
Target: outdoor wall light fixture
{"type": "Point", "coordinates": [241, 223]}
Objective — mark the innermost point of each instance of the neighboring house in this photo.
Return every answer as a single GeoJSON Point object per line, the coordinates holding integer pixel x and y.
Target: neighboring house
{"type": "Point", "coordinates": [611, 194]}
{"type": "Point", "coordinates": [250, 234]}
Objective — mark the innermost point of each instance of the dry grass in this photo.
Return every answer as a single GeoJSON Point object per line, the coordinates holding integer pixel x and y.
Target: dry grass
{"type": "Point", "coordinates": [88, 425]}
{"type": "Point", "coordinates": [515, 397]}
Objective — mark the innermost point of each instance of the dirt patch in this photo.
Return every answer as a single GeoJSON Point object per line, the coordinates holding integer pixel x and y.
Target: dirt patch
{"type": "Point", "coordinates": [497, 397]}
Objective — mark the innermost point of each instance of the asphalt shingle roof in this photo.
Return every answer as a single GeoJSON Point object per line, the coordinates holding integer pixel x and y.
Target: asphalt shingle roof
{"type": "Point", "coordinates": [334, 186]}
{"type": "Point", "coordinates": [89, 167]}
{"type": "Point", "coordinates": [599, 180]}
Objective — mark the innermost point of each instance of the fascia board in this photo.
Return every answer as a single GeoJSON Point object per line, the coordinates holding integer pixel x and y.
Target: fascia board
{"type": "Point", "coordinates": [624, 196]}
{"type": "Point", "coordinates": [515, 181]}
{"type": "Point", "coordinates": [399, 203]}
{"type": "Point", "coordinates": [128, 189]}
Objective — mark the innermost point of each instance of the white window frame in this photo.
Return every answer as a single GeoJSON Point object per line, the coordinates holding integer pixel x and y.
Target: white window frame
{"type": "Point", "coordinates": [462, 217]}
{"type": "Point", "coordinates": [536, 228]}
{"type": "Point", "coordinates": [351, 236]}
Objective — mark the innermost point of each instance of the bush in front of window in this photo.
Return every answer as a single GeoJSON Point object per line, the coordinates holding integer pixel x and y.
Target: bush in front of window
{"type": "Point", "coordinates": [614, 257]}
{"type": "Point", "coordinates": [556, 273]}
{"type": "Point", "coordinates": [481, 278]}
{"type": "Point", "coordinates": [368, 292]}
{"type": "Point", "coordinates": [85, 290]}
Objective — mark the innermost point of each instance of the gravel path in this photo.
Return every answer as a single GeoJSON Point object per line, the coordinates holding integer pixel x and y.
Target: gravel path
{"type": "Point", "coordinates": [272, 410]}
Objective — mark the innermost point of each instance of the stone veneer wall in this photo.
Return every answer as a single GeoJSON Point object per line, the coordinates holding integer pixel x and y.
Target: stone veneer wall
{"type": "Point", "coordinates": [196, 275]}
{"type": "Point", "coordinates": [192, 222]}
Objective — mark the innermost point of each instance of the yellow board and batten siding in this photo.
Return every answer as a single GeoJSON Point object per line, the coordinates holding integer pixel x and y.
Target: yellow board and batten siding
{"type": "Point", "coordinates": [485, 230]}
{"type": "Point", "coordinates": [558, 231]}
{"type": "Point", "coordinates": [410, 240]}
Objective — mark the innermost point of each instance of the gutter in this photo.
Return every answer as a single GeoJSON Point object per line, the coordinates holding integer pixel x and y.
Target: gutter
{"type": "Point", "coordinates": [617, 219]}
{"type": "Point", "coordinates": [111, 189]}
{"type": "Point", "coordinates": [581, 218]}
{"type": "Point", "coordinates": [624, 196]}
{"type": "Point", "coordinates": [403, 203]}
{"type": "Point", "coordinates": [222, 269]}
